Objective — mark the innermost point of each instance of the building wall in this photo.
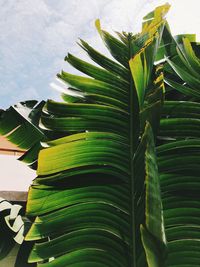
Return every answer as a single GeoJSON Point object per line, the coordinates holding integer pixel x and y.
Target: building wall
{"type": "Point", "coordinates": [14, 175]}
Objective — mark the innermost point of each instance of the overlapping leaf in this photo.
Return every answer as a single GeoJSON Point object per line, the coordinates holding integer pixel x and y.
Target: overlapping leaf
{"type": "Point", "coordinates": [178, 156]}
{"type": "Point", "coordinates": [20, 125]}
{"type": "Point", "coordinates": [14, 226]}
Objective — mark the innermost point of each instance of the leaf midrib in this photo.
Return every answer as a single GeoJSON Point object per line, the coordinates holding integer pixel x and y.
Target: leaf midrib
{"type": "Point", "coordinates": [132, 188]}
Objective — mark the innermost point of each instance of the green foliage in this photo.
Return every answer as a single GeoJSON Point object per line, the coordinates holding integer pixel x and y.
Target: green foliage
{"type": "Point", "coordinates": [178, 155]}
{"type": "Point", "coordinates": [20, 125]}
{"type": "Point", "coordinates": [118, 169]}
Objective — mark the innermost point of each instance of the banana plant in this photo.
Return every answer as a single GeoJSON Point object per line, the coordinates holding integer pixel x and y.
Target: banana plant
{"type": "Point", "coordinates": [118, 170]}
{"type": "Point", "coordinates": [97, 195]}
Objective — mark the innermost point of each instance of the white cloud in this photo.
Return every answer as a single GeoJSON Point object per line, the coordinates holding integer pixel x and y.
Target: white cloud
{"type": "Point", "coordinates": [36, 35]}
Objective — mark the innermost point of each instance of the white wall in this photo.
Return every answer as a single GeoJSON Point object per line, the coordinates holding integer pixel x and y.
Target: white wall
{"type": "Point", "coordinates": [14, 175]}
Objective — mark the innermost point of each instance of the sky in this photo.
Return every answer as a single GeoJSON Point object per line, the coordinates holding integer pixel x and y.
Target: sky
{"type": "Point", "coordinates": [37, 35]}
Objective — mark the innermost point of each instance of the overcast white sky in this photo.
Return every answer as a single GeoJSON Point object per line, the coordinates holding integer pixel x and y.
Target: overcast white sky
{"type": "Point", "coordinates": [36, 36]}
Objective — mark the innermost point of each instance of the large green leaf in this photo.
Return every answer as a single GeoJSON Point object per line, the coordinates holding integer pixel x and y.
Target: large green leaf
{"type": "Point", "coordinates": [179, 175]}
{"type": "Point", "coordinates": [89, 194]}
{"type": "Point", "coordinates": [153, 233]}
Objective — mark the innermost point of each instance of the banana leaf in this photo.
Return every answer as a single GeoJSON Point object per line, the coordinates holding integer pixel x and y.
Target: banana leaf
{"type": "Point", "coordinates": [19, 124]}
